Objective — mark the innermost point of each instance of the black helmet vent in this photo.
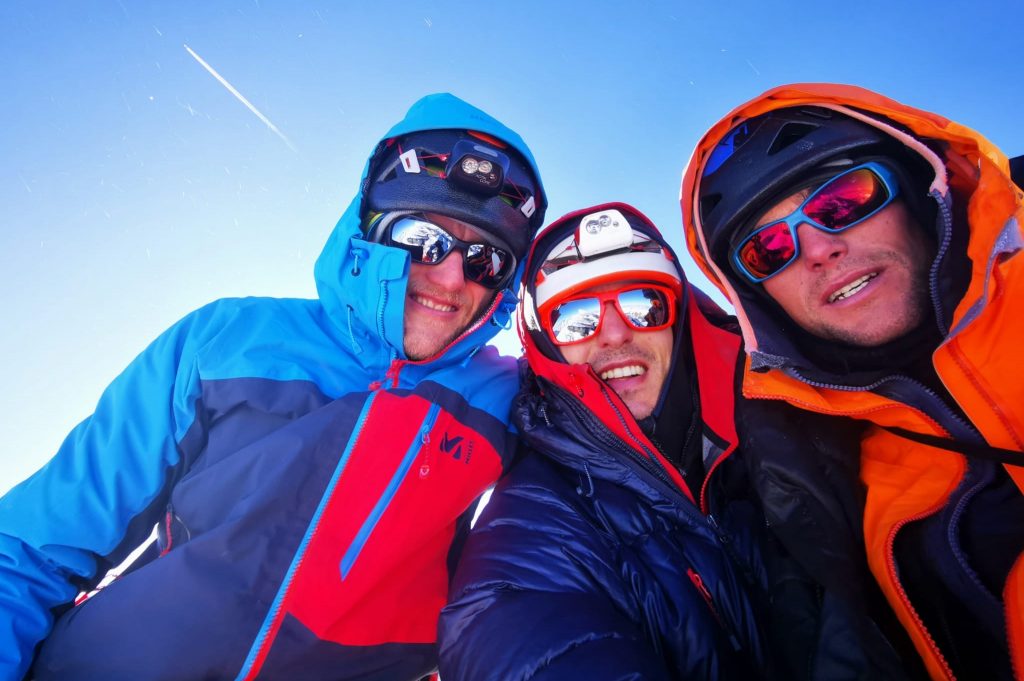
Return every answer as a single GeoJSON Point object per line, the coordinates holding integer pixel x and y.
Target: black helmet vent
{"type": "Point", "coordinates": [790, 134]}
{"type": "Point", "coordinates": [708, 202]}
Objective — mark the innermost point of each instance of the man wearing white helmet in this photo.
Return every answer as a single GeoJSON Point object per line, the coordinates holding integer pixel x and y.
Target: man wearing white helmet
{"type": "Point", "coordinates": [601, 555]}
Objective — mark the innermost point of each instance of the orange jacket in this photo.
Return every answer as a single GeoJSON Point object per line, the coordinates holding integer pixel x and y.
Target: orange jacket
{"type": "Point", "coordinates": [979, 362]}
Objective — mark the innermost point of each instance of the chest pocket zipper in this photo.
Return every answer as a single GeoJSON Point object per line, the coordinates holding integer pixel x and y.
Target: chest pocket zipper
{"type": "Point", "coordinates": [359, 542]}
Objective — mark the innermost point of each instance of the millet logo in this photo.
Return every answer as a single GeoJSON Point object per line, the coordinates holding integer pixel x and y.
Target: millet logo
{"type": "Point", "coordinates": [453, 446]}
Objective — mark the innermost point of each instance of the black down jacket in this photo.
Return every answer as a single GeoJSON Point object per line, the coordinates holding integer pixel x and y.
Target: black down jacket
{"type": "Point", "coordinates": [586, 566]}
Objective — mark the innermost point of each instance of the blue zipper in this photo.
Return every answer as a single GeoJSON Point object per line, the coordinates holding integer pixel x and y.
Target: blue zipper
{"type": "Point", "coordinates": [380, 307]}
{"type": "Point", "coordinates": [275, 607]}
{"type": "Point", "coordinates": [353, 551]}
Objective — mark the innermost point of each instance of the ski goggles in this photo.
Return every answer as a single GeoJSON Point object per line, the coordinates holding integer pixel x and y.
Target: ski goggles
{"type": "Point", "coordinates": [647, 307]}
{"type": "Point", "coordinates": [843, 202]}
{"type": "Point", "coordinates": [429, 244]}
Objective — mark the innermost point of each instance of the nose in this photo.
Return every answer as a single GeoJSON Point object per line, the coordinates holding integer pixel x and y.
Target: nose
{"type": "Point", "coordinates": [447, 274]}
{"type": "Point", "coordinates": [819, 249]}
{"type": "Point", "coordinates": [614, 329]}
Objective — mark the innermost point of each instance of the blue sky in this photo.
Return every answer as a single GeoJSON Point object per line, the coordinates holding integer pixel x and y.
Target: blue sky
{"type": "Point", "coordinates": [135, 187]}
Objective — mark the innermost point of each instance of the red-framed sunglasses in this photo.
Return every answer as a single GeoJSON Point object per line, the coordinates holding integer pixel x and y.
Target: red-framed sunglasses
{"type": "Point", "coordinates": [645, 307]}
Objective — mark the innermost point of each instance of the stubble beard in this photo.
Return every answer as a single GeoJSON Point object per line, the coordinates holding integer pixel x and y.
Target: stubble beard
{"type": "Point", "coordinates": [418, 348]}
{"type": "Point", "coordinates": [908, 318]}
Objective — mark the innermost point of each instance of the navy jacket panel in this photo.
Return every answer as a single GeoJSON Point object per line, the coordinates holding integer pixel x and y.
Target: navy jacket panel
{"type": "Point", "coordinates": [594, 586]}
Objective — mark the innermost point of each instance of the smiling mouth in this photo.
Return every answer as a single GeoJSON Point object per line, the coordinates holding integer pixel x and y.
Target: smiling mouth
{"type": "Point", "coordinates": [852, 289]}
{"type": "Point", "coordinates": [434, 305]}
{"type": "Point", "coordinates": [623, 372]}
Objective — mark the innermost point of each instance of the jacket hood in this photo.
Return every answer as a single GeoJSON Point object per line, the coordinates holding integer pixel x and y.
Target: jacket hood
{"type": "Point", "coordinates": [699, 323]}
{"type": "Point", "coordinates": [362, 285]}
{"type": "Point", "coordinates": [970, 181]}
{"type": "Point", "coordinates": [542, 355]}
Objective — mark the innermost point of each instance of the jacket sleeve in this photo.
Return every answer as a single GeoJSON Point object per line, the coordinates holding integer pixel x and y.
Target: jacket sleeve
{"type": "Point", "coordinates": [537, 596]}
{"type": "Point", "coordinates": [101, 494]}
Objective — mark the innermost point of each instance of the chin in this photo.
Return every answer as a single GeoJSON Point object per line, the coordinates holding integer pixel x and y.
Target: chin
{"type": "Point", "coordinates": [869, 337]}
{"type": "Point", "coordinates": [640, 412]}
{"type": "Point", "coordinates": [419, 351]}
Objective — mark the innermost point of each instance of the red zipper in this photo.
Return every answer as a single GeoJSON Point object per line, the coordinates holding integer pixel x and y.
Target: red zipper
{"type": "Point", "coordinates": [890, 559]}
{"type": "Point", "coordinates": [702, 589]}
{"type": "Point", "coordinates": [890, 564]}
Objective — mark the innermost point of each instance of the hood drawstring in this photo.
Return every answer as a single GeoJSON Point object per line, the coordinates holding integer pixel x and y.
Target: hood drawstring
{"type": "Point", "coordinates": [356, 271]}
{"type": "Point", "coordinates": [356, 254]}
{"type": "Point", "coordinates": [508, 320]}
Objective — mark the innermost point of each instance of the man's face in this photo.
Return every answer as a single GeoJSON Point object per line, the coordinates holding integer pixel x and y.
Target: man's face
{"type": "Point", "coordinates": [633, 363]}
{"type": "Point", "coordinates": [439, 303]}
{"type": "Point", "coordinates": [864, 286]}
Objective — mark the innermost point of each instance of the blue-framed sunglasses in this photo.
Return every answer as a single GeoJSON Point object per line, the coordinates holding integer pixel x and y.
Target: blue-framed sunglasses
{"type": "Point", "coordinates": [845, 201]}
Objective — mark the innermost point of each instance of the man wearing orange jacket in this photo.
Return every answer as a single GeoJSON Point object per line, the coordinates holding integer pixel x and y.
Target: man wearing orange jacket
{"type": "Point", "coordinates": [872, 253]}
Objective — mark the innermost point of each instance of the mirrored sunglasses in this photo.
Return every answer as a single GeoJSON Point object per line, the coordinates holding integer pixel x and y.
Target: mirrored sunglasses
{"type": "Point", "coordinates": [429, 244]}
{"type": "Point", "coordinates": [839, 204]}
{"type": "Point", "coordinates": [649, 307]}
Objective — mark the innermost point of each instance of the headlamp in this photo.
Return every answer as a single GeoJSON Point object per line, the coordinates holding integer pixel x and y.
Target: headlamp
{"type": "Point", "coordinates": [603, 232]}
{"type": "Point", "coordinates": [477, 168]}
{"type": "Point", "coordinates": [603, 248]}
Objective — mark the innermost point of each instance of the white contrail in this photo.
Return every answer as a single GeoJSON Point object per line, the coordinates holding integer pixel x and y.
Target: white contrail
{"type": "Point", "coordinates": [243, 100]}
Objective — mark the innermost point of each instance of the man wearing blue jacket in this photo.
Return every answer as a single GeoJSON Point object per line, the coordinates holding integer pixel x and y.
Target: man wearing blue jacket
{"type": "Point", "coordinates": [602, 555]}
{"type": "Point", "coordinates": [308, 464]}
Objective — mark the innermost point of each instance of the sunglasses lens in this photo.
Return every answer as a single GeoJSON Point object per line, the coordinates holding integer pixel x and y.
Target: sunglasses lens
{"type": "Point", "coordinates": [429, 244]}
{"type": "Point", "coordinates": [767, 251]}
{"type": "Point", "coordinates": [487, 265]}
{"type": "Point", "coordinates": [425, 241]}
{"type": "Point", "coordinates": [575, 320]}
{"type": "Point", "coordinates": [847, 199]}
{"type": "Point", "coordinates": [644, 308]}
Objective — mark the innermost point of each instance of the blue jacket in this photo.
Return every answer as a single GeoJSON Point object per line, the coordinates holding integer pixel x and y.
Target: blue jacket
{"type": "Point", "coordinates": [307, 481]}
{"type": "Point", "coordinates": [593, 560]}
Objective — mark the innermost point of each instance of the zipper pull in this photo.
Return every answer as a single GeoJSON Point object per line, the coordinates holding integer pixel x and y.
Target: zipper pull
{"type": "Point", "coordinates": [392, 372]}
{"type": "Point", "coordinates": [722, 536]}
{"type": "Point", "coordinates": [575, 381]}
{"type": "Point", "coordinates": [705, 593]}
{"type": "Point", "coordinates": [426, 448]}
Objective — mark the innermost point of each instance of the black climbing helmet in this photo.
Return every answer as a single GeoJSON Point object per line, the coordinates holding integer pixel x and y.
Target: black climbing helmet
{"type": "Point", "coordinates": [761, 160]}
